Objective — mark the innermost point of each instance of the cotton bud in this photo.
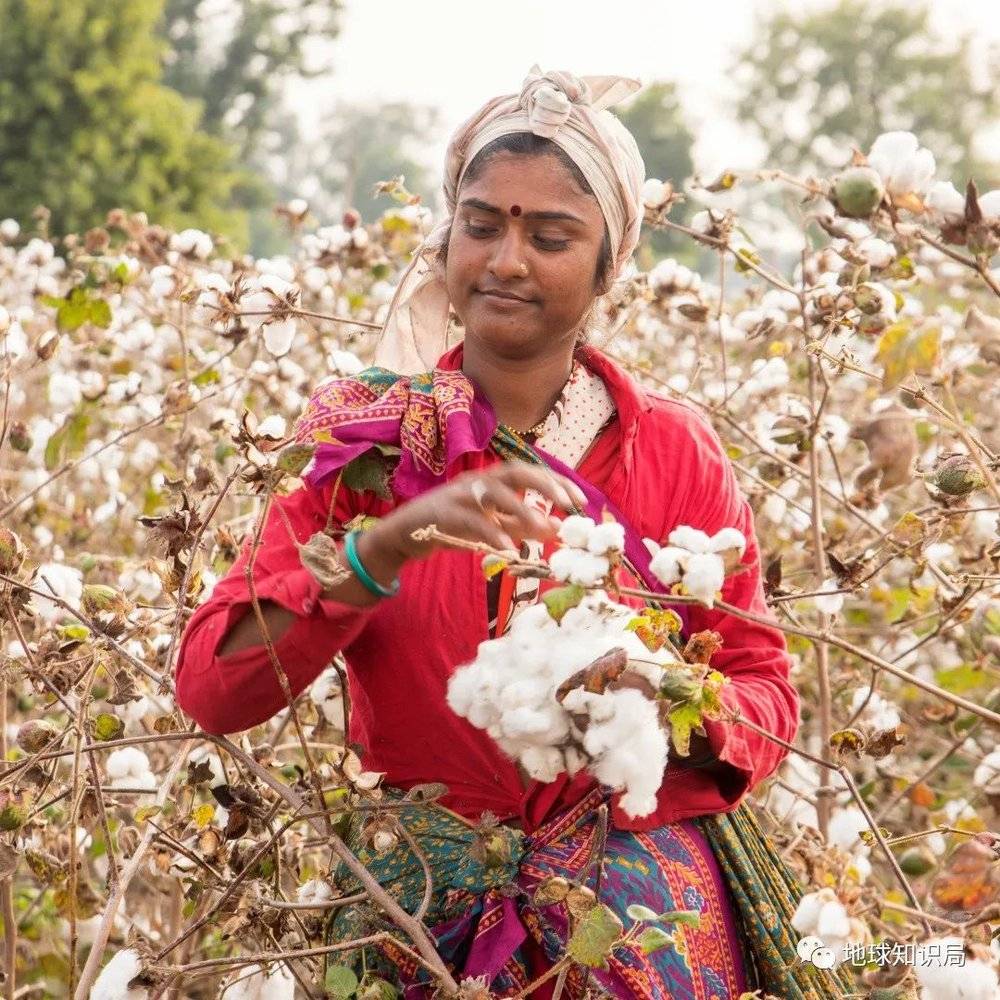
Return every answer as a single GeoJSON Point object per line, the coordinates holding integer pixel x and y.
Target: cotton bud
{"type": "Point", "coordinates": [12, 551]}
{"type": "Point", "coordinates": [9, 230]}
{"type": "Point", "coordinates": [958, 476]}
{"type": "Point", "coordinates": [35, 735]}
{"type": "Point", "coordinates": [858, 191]}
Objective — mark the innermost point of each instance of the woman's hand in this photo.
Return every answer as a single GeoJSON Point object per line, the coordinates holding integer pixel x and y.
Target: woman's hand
{"type": "Point", "coordinates": [484, 505]}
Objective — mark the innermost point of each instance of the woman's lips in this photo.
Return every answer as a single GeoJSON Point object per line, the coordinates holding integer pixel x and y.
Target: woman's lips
{"type": "Point", "coordinates": [504, 301]}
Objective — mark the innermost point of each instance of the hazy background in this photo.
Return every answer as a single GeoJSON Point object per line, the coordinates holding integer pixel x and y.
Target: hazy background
{"type": "Point", "coordinates": [208, 112]}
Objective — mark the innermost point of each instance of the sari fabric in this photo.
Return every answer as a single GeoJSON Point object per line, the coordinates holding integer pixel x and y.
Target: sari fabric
{"type": "Point", "coordinates": [486, 924]}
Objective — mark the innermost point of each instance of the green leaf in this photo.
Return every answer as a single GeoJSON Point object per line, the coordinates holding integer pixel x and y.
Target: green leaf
{"type": "Point", "coordinates": [654, 939]}
{"type": "Point", "coordinates": [340, 982]}
{"type": "Point", "coordinates": [145, 812]}
{"type": "Point", "coordinates": [960, 679]}
{"type": "Point", "coordinates": [904, 351]}
{"type": "Point", "coordinates": [560, 599]}
{"type": "Point", "coordinates": [100, 313]}
{"type": "Point", "coordinates": [687, 918]}
{"type": "Point", "coordinates": [207, 377]}
{"type": "Point", "coordinates": [54, 448]}
{"type": "Point", "coordinates": [594, 938]}
{"type": "Point", "coordinates": [107, 727]}
{"type": "Point", "coordinates": [639, 912]}
{"type": "Point", "coordinates": [683, 719]}
{"type": "Point", "coordinates": [368, 472]}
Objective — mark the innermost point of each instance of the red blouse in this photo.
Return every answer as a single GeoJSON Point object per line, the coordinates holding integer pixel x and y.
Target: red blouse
{"type": "Point", "coordinates": [662, 464]}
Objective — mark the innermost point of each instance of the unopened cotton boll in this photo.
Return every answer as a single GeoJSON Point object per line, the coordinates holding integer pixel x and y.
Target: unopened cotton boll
{"type": "Point", "coordinates": [112, 983]}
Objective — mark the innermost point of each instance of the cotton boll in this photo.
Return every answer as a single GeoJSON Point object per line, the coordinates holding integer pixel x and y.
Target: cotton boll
{"type": "Point", "coordinates": [728, 538]}
{"type": "Point", "coordinates": [904, 166]}
{"type": "Point", "coordinates": [128, 767]}
{"type": "Point", "coordinates": [941, 980]}
{"type": "Point", "coordinates": [112, 983]}
{"type": "Point", "coordinates": [692, 539]}
{"type": "Point", "coordinates": [606, 537]}
{"type": "Point", "coordinates": [61, 581]}
{"type": "Point", "coordinates": [668, 564]}
{"type": "Point", "coordinates": [704, 576]}
{"type": "Point", "coordinates": [278, 336]}
{"type": "Point", "coordinates": [578, 566]}
{"type": "Point", "coordinates": [987, 773]}
{"type": "Point", "coordinates": [542, 763]}
{"type": "Point", "coordinates": [327, 695]}
{"type": "Point", "coordinates": [845, 826]}
{"type": "Point", "coordinates": [829, 604]}
{"type": "Point", "coordinates": [944, 200]}
{"type": "Point", "coordinates": [806, 915]}
{"type": "Point", "coordinates": [876, 253]}
{"type": "Point", "coordinates": [575, 531]}
{"type": "Point", "coordinates": [315, 891]}
{"type": "Point", "coordinates": [253, 983]}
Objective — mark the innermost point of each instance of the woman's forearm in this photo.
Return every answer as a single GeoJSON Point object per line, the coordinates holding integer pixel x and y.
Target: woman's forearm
{"type": "Point", "coordinates": [379, 557]}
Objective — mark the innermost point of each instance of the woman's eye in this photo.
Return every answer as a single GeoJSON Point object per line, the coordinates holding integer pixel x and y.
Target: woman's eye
{"type": "Point", "coordinates": [551, 242]}
{"type": "Point", "coordinates": [475, 230]}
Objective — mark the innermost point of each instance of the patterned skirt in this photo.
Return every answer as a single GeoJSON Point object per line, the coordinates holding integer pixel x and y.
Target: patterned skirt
{"type": "Point", "coordinates": [490, 921]}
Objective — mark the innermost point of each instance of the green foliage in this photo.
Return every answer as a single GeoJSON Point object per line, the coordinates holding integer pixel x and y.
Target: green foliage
{"type": "Point", "coordinates": [857, 69]}
{"type": "Point", "coordinates": [595, 937]}
{"type": "Point", "coordinates": [656, 120]}
{"type": "Point", "coordinates": [86, 125]}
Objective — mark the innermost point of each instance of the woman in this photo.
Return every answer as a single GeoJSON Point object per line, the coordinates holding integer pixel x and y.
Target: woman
{"type": "Point", "coordinates": [494, 439]}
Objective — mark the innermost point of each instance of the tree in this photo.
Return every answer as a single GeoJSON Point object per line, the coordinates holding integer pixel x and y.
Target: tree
{"type": "Point", "coordinates": [815, 82]}
{"type": "Point", "coordinates": [86, 125]}
{"type": "Point", "coordinates": [237, 57]}
{"type": "Point", "coordinates": [357, 146]}
{"type": "Point", "coordinates": [656, 120]}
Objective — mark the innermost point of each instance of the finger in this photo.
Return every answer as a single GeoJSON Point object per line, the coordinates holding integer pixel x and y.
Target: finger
{"type": "Point", "coordinates": [505, 500]}
{"type": "Point", "coordinates": [476, 526]}
{"type": "Point", "coordinates": [557, 488]}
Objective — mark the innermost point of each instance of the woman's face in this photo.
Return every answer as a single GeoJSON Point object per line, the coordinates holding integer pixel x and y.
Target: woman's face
{"type": "Point", "coordinates": [523, 210]}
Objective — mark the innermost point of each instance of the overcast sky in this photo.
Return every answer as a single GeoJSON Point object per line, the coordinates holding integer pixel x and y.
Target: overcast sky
{"type": "Point", "coordinates": [455, 54]}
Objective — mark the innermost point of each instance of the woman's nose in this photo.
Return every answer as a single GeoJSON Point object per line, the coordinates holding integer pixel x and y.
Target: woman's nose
{"type": "Point", "coordinates": [508, 256]}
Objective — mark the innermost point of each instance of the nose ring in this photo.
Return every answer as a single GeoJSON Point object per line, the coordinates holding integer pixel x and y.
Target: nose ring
{"type": "Point", "coordinates": [524, 270]}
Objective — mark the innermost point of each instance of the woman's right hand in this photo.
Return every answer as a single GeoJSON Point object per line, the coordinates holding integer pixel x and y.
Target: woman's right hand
{"type": "Point", "coordinates": [483, 505]}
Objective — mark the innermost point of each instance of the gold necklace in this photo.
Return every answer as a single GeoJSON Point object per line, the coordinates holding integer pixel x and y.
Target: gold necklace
{"type": "Point", "coordinates": [534, 430]}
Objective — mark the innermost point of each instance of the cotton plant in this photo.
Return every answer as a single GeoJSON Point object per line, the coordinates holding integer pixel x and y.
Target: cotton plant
{"type": "Point", "coordinates": [828, 930]}
{"type": "Point", "coordinates": [114, 979]}
{"type": "Point", "coordinates": [973, 978]}
{"type": "Point", "coordinates": [548, 691]}
{"type": "Point", "coordinates": [696, 562]}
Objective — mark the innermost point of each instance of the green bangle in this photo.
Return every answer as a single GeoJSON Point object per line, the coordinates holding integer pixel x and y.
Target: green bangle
{"type": "Point", "coordinates": [351, 550]}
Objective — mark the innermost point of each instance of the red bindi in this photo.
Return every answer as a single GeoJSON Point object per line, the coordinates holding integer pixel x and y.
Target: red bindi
{"type": "Point", "coordinates": [515, 210]}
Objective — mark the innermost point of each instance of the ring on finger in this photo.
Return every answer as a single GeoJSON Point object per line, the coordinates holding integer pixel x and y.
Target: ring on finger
{"type": "Point", "coordinates": [478, 489]}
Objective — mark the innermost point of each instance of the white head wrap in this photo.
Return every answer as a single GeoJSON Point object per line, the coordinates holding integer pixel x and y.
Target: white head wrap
{"type": "Point", "coordinates": [569, 110]}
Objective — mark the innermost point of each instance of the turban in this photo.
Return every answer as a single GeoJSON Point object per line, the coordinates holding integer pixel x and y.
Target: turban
{"type": "Point", "coordinates": [572, 112]}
